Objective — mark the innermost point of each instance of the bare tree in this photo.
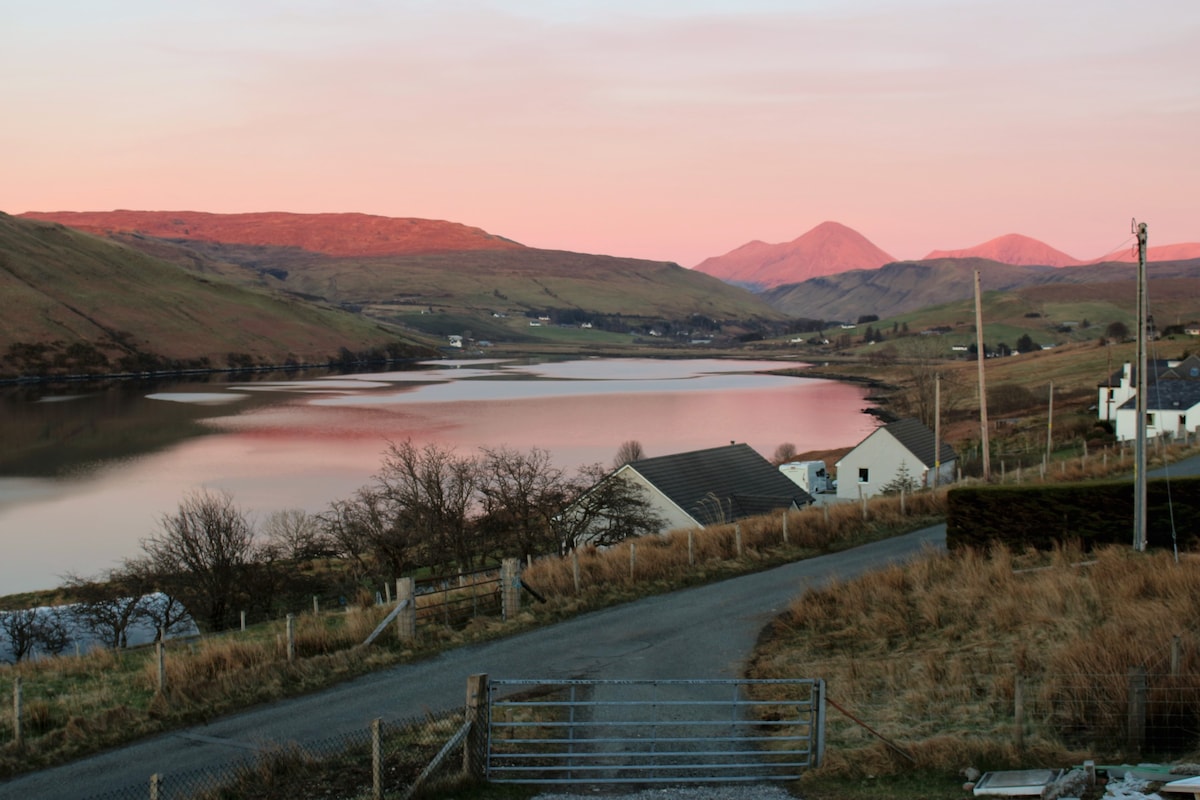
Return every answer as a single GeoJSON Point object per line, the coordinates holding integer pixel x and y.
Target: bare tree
{"type": "Point", "coordinates": [295, 534]}
{"type": "Point", "coordinates": [431, 491]}
{"type": "Point", "coordinates": [34, 630]}
{"type": "Point", "coordinates": [367, 530]}
{"type": "Point", "coordinates": [106, 607]}
{"type": "Point", "coordinates": [629, 451]}
{"type": "Point", "coordinates": [784, 453]}
{"type": "Point", "coordinates": [521, 493]}
{"type": "Point", "coordinates": [604, 509]}
{"type": "Point", "coordinates": [206, 551]}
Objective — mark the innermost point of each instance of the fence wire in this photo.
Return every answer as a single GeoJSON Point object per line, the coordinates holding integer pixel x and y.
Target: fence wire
{"type": "Point", "coordinates": [337, 766]}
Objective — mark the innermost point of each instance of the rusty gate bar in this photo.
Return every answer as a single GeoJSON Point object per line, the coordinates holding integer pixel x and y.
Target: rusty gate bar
{"type": "Point", "coordinates": [648, 731]}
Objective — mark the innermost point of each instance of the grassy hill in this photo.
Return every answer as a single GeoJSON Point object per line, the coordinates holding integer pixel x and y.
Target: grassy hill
{"type": "Point", "coordinates": [897, 289]}
{"type": "Point", "coordinates": [490, 293]}
{"type": "Point", "coordinates": [77, 303]}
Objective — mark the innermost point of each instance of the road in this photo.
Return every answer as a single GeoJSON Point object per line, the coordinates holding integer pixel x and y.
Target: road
{"type": "Point", "coordinates": [703, 632]}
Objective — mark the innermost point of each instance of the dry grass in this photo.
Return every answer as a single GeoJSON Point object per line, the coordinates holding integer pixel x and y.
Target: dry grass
{"type": "Point", "coordinates": [930, 654]}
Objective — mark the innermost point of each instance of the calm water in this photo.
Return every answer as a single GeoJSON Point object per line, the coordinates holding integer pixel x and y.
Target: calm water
{"type": "Point", "coordinates": [84, 477]}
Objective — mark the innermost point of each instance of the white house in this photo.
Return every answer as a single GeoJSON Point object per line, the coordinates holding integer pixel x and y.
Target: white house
{"type": "Point", "coordinates": [1172, 409]}
{"type": "Point", "coordinates": [904, 446]}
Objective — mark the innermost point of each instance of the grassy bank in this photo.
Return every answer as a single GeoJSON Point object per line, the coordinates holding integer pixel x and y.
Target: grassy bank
{"type": "Point", "coordinates": [78, 705]}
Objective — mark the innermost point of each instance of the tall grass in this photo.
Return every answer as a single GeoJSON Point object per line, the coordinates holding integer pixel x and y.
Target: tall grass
{"type": "Point", "coordinates": [933, 654]}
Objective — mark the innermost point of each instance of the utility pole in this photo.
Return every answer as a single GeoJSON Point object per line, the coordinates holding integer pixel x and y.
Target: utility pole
{"type": "Point", "coordinates": [1139, 442]}
{"type": "Point", "coordinates": [937, 428]}
{"type": "Point", "coordinates": [1050, 427]}
{"type": "Point", "coordinates": [983, 420]}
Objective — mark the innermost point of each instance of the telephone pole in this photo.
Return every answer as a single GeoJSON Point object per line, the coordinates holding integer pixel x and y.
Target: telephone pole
{"type": "Point", "coordinates": [1139, 444]}
{"type": "Point", "coordinates": [983, 420]}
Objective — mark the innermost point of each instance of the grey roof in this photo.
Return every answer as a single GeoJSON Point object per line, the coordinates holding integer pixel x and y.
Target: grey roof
{"type": "Point", "coordinates": [1155, 367]}
{"type": "Point", "coordinates": [721, 483]}
{"type": "Point", "coordinates": [918, 440]}
{"type": "Point", "coordinates": [1169, 395]}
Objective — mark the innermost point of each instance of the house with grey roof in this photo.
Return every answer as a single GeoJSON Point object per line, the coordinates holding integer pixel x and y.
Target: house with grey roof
{"type": "Point", "coordinates": [712, 487]}
{"type": "Point", "coordinates": [1172, 409]}
{"type": "Point", "coordinates": [904, 448]}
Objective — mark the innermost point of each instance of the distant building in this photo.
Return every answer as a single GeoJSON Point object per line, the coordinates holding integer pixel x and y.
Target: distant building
{"type": "Point", "coordinates": [906, 445]}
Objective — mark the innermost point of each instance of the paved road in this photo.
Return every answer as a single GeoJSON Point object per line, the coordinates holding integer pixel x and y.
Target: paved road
{"type": "Point", "coordinates": [704, 632]}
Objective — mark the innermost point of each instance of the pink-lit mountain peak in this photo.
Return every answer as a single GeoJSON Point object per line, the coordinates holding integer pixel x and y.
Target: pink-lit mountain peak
{"type": "Point", "coordinates": [1012, 248]}
{"type": "Point", "coordinates": [827, 249]}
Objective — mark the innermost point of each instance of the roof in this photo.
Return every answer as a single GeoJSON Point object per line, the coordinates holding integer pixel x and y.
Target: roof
{"type": "Point", "coordinates": [1168, 396]}
{"type": "Point", "coordinates": [736, 477]}
{"type": "Point", "coordinates": [916, 437]}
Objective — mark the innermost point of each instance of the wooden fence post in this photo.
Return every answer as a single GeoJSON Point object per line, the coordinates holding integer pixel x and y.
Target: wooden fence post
{"type": "Point", "coordinates": [243, 622]}
{"type": "Point", "coordinates": [376, 759]}
{"type": "Point", "coordinates": [316, 605]}
{"type": "Point", "coordinates": [785, 530]}
{"type": "Point", "coordinates": [737, 536]}
{"type": "Point", "coordinates": [632, 559]}
{"type": "Point", "coordinates": [291, 638]}
{"type": "Point", "coordinates": [691, 547]}
{"type": "Point", "coordinates": [18, 735]}
{"type": "Point", "coordinates": [475, 748]}
{"type": "Point", "coordinates": [575, 569]}
{"type": "Point", "coordinates": [1137, 708]}
{"type": "Point", "coordinates": [510, 587]}
{"type": "Point", "coordinates": [155, 786]}
{"type": "Point", "coordinates": [1176, 655]}
{"type": "Point", "coordinates": [406, 618]}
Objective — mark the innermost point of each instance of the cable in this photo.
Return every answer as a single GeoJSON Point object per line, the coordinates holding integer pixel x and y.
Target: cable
{"type": "Point", "coordinates": [1157, 393]}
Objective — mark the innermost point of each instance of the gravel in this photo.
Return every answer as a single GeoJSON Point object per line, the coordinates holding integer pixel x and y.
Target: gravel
{"type": "Point", "coordinates": [737, 792]}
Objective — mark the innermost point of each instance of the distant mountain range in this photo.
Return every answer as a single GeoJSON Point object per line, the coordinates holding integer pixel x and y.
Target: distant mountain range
{"type": "Point", "coordinates": [832, 248]}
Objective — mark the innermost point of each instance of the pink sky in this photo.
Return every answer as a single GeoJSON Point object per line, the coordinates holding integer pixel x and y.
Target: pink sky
{"type": "Point", "coordinates": [662, 129]}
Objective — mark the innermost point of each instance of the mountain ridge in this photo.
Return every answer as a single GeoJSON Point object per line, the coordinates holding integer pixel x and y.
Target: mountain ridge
{"type": "Point", "coordinates": [336, 234]}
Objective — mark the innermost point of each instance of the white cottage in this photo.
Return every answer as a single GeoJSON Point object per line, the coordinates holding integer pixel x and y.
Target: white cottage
{"type": "Point", "coordinates": [904, 446]}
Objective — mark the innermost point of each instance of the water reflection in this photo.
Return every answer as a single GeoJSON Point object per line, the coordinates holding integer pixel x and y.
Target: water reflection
{"type": "Point", "coordinates": [122, 458]}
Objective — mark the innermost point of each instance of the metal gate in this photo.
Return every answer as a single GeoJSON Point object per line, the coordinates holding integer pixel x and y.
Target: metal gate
{"type": "Point", "coordinates": [646, 732]}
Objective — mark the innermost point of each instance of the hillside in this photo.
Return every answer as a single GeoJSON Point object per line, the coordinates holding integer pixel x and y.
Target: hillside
{"type": "Point", "coordinates": [78, 303]}
{"type": "Point", "coordinates": [489, 291]}
{"type": "Point", "coordinates": [827, 249]}
{"type": "Point", "coordinates": [908, 286]}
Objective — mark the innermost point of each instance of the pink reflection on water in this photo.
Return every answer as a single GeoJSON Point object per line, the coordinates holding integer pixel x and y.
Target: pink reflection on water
{"type": "Point", "coordinates": [318, 444]}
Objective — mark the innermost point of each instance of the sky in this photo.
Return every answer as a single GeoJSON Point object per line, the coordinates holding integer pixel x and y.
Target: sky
{"type": "Point", "coordinates": [666, 129]}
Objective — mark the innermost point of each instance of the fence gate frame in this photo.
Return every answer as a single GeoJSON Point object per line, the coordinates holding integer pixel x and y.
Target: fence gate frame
{"type": "Point", "coordinates": [589, 732]}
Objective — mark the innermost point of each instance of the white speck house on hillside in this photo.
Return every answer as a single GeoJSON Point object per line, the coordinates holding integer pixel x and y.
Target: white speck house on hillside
{"type": "Point", "coordinates": [878, 460]}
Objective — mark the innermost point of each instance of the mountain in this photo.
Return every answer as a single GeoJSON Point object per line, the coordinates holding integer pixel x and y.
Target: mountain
{"type": "Point", "coordinates": [1014, 249]}
{"type": "Point", "coordinates": [434, 278]}
{"type": "Point", "coordinates": [75, 303]}
{"type": "Point", "coordinates": [827, 249]}
{"type": "Point", "coordinates": [1163, 252]}
{"type": "Point", "coordinates": [332, 234]}
{"type": "Point", "coordinates": [907, 286]}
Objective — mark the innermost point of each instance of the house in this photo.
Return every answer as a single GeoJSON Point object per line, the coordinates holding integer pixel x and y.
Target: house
{"type": "Point", "coordinates": [712, 487]}
{"type": "Point", "coordinates": [455, 340]}
{"type": "Point", "coordinates": [1172, 409]}
{"type": "Point", "coordinates": [1121, 387]}
{"type": "Point", "coordinates": [888, 454]}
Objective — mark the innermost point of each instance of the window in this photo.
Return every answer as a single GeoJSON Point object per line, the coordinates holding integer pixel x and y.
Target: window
{"type": "Point", "coordinates": [1150, 419]}
{"type": "Point", "coordinates": [864, 475]}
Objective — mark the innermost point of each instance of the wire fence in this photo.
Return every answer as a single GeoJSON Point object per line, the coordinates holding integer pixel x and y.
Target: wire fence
{"type": "Point", "coordinates": [387, 759]}
{"type": "Point", "coordinates": [1134, 715]}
